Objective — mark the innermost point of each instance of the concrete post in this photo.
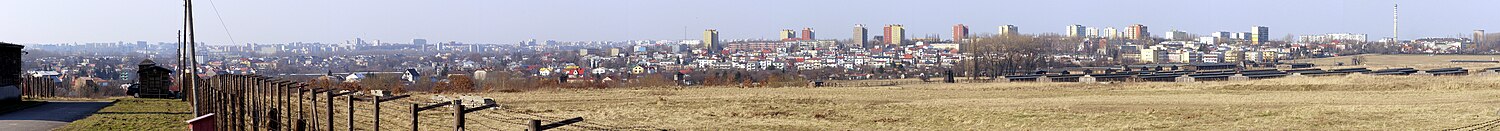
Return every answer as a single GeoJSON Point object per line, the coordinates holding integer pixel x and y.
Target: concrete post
{"type": "Point", "coordinates": [1421, 73]}
{"type": "Point", "coordinates": [1087, 79]}
{"type": "Point", "coordinates": [1297, 75]}
{"type": "Point", "coordinates": [1184, 78]}
{"type": "Point", "coordinates": [1239, 77]}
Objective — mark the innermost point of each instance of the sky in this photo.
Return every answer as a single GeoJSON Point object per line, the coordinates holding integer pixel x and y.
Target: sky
{"type": "Point", "coordinates": [511, 21]}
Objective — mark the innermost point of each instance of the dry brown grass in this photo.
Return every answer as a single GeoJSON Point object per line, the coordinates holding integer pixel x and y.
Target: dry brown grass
{"type": "Point", "coordinates": [1318, 103]}
{"type": "Point", "coordinates": [1356, 102]}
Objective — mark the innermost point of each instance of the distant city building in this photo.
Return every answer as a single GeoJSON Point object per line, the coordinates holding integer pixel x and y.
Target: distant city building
{"type": "Point", "coordinates": [419, 41]}
{"type": "Point", "coordinates": [1177, 35]}
{"type": "Point", "coordinates": [1110, 32]}
{"type": "Point", "coordinates": [895, 34]}
{"type": "Point", "coordinates": [807, 34]}
{"type": "Point", "coordinates": [616, 51]}
{"type": "Point", "coordinates": [1222, 35]}
{"type": "Point", "coordinates": [960, 32]}
{"type": "Point", "coordinates": [788, 34]}
{"type": "Point", "coordinates": [529, 42]}
{"type": "Point", "coordinates": [1259, 35]}
{"type": "Point", "coordinates": [861, 35]}
{"type": "Point", "coordinates": [1138, 32]}
{"type": "Point", "coordinates": [1240, 36]}
{"type": "Point", "coordinates": [1479, 40]}
{"type": "Point", "coordinates": [1008, 30]}
{"type": "Point", "coordinates": [1091, 32]}
{"type": "Point", "coordinates": [1076, 30]}
{"type": "Point", "coordinates": [1327, 38]}
{"type": "Point", "coordinates": [711, 40]}
{"type": "Point", "coordinates": [757, 46]}
{"type": "Point", "coordinates": [1153, 55]}
{"type": "Point", "coordinates": [1209, 40]}
{"type": "Point", "coordinates": [1442, 45]}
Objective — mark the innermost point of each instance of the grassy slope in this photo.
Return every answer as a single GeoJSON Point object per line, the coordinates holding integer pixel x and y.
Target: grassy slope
{"type": "Point", "coordinates": [1339, 103]}
{"type": "Point", "coordinates": [131, 114]}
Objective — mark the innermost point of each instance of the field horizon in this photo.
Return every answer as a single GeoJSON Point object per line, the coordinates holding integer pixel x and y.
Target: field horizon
{"type": "Point", "coordinates": [1356, 102]}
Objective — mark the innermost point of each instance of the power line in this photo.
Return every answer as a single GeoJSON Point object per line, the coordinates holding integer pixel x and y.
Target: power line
{"type": "Point", "coordinates": [221, 21]}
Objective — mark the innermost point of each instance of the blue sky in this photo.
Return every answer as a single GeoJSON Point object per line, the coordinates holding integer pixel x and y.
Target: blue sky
{"type": "Point", "coordinates": [509, 21]}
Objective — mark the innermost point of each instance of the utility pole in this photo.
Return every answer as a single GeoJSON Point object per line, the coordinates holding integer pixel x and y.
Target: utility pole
{"type": "Point", "coordinates": [191, 52]}
{"type": "Point", "coordinates": [182, 61]}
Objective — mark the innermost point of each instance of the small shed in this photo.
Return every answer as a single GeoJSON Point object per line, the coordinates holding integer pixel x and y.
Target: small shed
{"type": "Point", "coordinates": [10, 72]}
{"type": "Point", "coordinates": [10, 63]}
{"type": "Point", "coordinates": [153, 81]}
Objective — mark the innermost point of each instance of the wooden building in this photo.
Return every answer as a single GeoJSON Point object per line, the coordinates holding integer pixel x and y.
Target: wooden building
{"type": "Point", "coordinates": [10, 64]}
{"type": "Point", "coordinates": [153, 81]}
{"type": "Point", "coordinates": [10, 72]}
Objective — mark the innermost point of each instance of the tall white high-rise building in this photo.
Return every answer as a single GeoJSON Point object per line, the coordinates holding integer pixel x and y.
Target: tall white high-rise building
{"type": "Point", "coordinates": [1008, 30]}
{"type": "Point", "coordinates": [1259, 35]}
{"type": "Point", "coordinates": [1091, 32]}
{"type": "Point", "coordinates": [1110, 32]}
{"type": "Point", "coordinates": [1076, 30]}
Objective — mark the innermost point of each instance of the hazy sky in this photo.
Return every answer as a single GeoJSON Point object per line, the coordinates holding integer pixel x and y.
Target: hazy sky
{"type": "Point", "coordinates": [509, 21]}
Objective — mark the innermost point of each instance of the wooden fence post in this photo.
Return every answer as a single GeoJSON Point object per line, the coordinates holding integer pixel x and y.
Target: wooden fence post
{"type": "Point", "coordinates": [253, 89]}
{"type": "Point", "coordinates": [330, 110]}
{"type": "Point", "coordinates": [279, 96]}
{"type": "Point", "coordinates": [313, 103]}
{"type": "Point", "coordinates": [302, 109]}
{"type": "Point", "coordinates": [418, 108]}
{"type": "Point", "coordinates": [375, 100]}
{"type": "Point", "coordinates": [218, 103]}
{"type": "Point", "coordinates": [458, 115]}
{"type": "Point", "coordinates": [535, 125]}
{"type": "Point", "coordinates": [414, 116]}
{"type": "Point", "coordinates": [238, 95]}
{"type": "Point", "coordinates": [351, 113]}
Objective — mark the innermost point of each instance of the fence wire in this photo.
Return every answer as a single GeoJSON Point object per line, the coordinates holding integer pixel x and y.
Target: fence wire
{"type": "Point", "coordinates": [249, 102]}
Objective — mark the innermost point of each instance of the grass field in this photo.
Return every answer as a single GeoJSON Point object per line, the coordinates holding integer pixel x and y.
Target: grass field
{"type": "Point", "coordinates": [132, 114]}
{"type": "Point", "coordinates": [1356, 102]}
{"type": "Point", "coordinates": [1336, 103]}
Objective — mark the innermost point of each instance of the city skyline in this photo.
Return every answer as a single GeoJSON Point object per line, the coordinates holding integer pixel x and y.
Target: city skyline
{"type": "Point", "coordinates": [510, 21]}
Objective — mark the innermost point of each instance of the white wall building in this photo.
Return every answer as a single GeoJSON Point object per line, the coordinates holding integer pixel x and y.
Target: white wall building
{"type": "Point", "coordinates": [1342, 37]}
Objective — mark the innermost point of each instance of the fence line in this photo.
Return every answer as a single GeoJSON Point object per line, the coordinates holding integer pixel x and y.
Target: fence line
{"type": "Point", "coordinates": [252, 102]}
{"type": "Point", "coordinates": [39, 87]}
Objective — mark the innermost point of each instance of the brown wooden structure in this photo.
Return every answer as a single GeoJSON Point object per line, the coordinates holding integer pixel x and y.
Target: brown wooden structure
{"type": "Point", "coordinates": [10, 72]}
{"type": "Point", "coordinates": [10, 63]}
{"type": "Point", "coordinates": [153, 81]}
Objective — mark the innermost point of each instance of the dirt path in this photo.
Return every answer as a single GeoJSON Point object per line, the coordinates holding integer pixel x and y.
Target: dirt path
{"type": "Point", "coordinates": [49, 116]}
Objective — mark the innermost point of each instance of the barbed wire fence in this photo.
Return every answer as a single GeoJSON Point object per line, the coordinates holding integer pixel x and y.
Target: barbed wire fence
{"type": "Point", "coordinates": [253, 102]}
